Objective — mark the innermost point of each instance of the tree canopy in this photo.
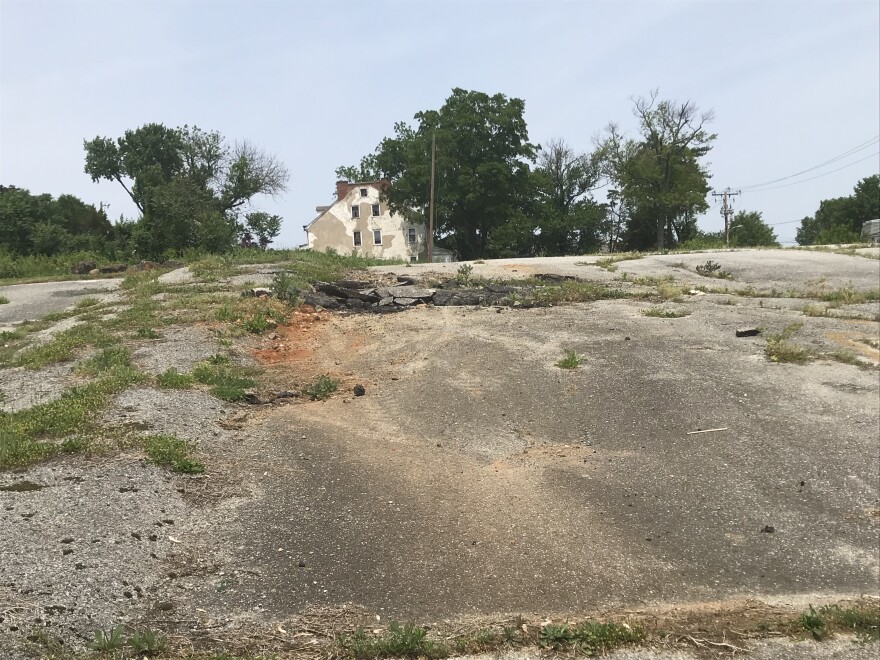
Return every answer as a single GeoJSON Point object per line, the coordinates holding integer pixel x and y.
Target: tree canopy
{"type": "Point", "coordinates": [839, 220]}
{"type": "Point", "coordinates": [748, 229]}
{"type": "Point", "coordinates": [660, 174]}
{"type": "Point", "coordinates": [41, 224]}
{"type": "Point", "coordinates": [482, 172]}
{"type": "Point", "coordinates": [188, 184]}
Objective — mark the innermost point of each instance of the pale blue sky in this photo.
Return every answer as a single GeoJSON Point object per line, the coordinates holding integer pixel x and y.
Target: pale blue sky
{"type": "Point", "coordinates": [320, 83]}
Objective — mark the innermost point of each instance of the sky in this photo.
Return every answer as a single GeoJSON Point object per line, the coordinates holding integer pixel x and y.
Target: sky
{"type": "Point", "coordinates": [319, 83]}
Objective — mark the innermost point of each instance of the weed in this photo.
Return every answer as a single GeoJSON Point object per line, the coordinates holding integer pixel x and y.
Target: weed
{"type": "Point", "coordinates": [171, 452]}
{"type": "Point", "coordinates": [595, 638]}
{"type": "Point", "coordinates": [64, 344]}
{"type": "Point", "coordinates": [408, 640]}
{"type": "Point", "coordinates": [480, 261]}
{"type": "Point", "coordinates": [172, 380]}
{"type": "Point", "coordinates": [89, 301]}
{"type": "Point", "coordinates": [571, 360]}
{"type": "Point", "coordinates": [4, 300]}
{"type": "Point", "coordinates": [228, 382]}
{"type": "Point", "coordinates": [813, 623]}
{"type": "Point", "coordinates": [464, 274]}
{"type": "Point", "coordinates": [321, 388]}
{"type": "Point", "coordinates": [147, 642]}
{"type": "Point", "coordinates": [861, 619]}
{"type": "Point", "coordinates": [109, 359]}
{"type": "Point", "coordinates": [780, 348]}
{"type": "Point", "coordinates": [556, 637]}
{"type": "Point", "coordinates": [107, 640]}
{"type": "Point", "coordinates": [284, 286]}
{"type": "Point", "coordinates": [713, 269]}
{"type": "Point", "coordinates": [610, 263]}
{"type": "Point", "coordinates": [147, 333]}
{"type": "Point", "coordinates": [217, 358]}
{"type": "Point", "coordinates": [660, 313]}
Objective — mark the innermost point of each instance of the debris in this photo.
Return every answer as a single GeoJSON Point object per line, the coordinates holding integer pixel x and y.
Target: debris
{"type": "Point", "coordinates": [83, 267]}
{"type": "Point", "coordinates": [748, 332]}
{"type": "Point", "coordinates": [696, 292]}
{"type": "Point", "coordinates": [286, 394]}
{"type": "Point", "coordinates": [768, 529]}
{"type": "Point", "coordinates": [252, 399]}
{"type": "Point", "coordinates": [359, 390]}
{"type": "Point", "coordinates": [114, 268]}
{"type": "Point", "coordinates": [258, 292]}
{"type": "Point", "coordinates": [173, 540]}
{"type": "Point", "coordinates": [706, 431]}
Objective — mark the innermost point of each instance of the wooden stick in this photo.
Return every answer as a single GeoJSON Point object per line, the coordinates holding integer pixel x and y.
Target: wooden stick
{"type": "Point", "coordinates": [706, 431]}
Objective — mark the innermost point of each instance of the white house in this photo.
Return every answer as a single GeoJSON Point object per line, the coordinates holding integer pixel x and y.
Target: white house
{"type": "Point", "coordinates": [359, 222]}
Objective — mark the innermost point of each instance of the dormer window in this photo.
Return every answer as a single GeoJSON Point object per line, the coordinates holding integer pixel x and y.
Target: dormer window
{"type": "Point", "coordinates": [363, 192]}
{"type": "Point", "coordinates": [355, 211]}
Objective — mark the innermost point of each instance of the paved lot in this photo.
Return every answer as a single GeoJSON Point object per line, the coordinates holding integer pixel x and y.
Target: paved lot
{"type": "Point", "coordinates": [33, 301]}
{"type": "Point", "coordinates": [476, 478]}
{"type": "Point", "coordinates": [764, 270]}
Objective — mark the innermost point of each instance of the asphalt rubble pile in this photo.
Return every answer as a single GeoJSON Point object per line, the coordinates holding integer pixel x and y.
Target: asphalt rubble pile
{"type": "Point", "coordinates": [366, 296]}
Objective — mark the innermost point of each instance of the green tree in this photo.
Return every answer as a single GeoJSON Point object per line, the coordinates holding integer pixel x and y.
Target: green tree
{"type": "Point", "coordinates": [39, 224]}
{"type": "Point", "coordinates": [188, 184]}
{"type": "Point", "coordinates": [482, 173]}
{"type": "Point", "coordinates": [568, 219]}
{"type": "Point", "coordinates": [262, 227]}
{"type": "Point", "coordinates": [660, 175]}
{"type": "Point", "coordinates": [839, 220]}
{"type": "Point", "coordinates": [748, 229]}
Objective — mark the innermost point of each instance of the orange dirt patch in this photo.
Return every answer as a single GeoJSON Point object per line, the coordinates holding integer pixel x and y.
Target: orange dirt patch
{"type": "Point", "coordinates": [295, 341]}
{"type": "Point", "coordinates": [855, 341]}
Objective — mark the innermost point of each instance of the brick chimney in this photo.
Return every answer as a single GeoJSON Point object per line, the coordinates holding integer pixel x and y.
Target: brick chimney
{"type": "Point", "coordinates": [342, 188]}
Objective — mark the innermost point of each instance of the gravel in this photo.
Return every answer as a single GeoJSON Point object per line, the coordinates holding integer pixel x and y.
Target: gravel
{"type": "Point", "coordinates": [180, 348]}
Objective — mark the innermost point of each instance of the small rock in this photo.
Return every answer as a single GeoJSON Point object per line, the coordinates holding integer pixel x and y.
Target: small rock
{"type": "Point", "coordinates": [165, 606]}
{"type": "Point", "coordinates": [67, 539]}
{"type": "Point", "coordinates": [136, 536]}
{"type": "Point", "coordinates": [748, 332]}
{"type": "Point", "coordinates": [128, 594]}
{"type": "Point", "coordinates": [405, 302]}
{"type": "Point", "coordinates": [768, 529]}
{"type": "Point", "coordinates": [67, 551]}
{"type": "Point", "coordinates": [359, 390]}
{"type": "Point", "coordinates": [252, 399]}
{"type": "Point", "coordinates": [80, 566]}
{"type": "Point", "coordinates": [286, 394]}
{"type": "Point", "coordinates": [301, 564]}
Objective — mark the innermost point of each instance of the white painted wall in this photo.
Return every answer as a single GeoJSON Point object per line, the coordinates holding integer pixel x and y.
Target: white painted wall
{"type": "Point", "coordinates": [394, 228]}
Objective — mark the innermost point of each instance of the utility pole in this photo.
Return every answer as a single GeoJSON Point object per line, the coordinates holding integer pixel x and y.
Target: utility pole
{"type": "Point", "coordinates": [727, 210]}
{"type": "Point", "coordinates": [431, 202]}
{"type": "Point", "coordinates": [103, 205]}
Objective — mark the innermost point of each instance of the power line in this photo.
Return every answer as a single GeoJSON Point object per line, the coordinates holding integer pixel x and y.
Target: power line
{"type": "Point", "coordinates": [818, 176]}
{"type": "Point", "coordinates": [849, 152]}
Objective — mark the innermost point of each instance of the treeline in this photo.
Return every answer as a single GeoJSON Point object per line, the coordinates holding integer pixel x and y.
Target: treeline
{"type": "Point", "coordinates": [840, 220]}
{"type": "Point", "coordinates": [190, 186]}
{"type": "Point", "coordinates": [40, 224]}
{"type": "Point", "coordinates": [499, 195]}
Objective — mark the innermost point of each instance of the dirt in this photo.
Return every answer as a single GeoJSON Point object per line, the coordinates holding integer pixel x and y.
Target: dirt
{"type": "Point", "coordinates": [474, 479]}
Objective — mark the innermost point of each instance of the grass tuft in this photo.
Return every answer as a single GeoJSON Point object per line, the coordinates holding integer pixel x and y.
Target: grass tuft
{"type": "Point", "coordinates": [321, 389]}
{"type": "Point", "coordinates": [660, 313]}
{"type": "Point", "coordinates": [174, 453]}
{"type": "Point", "coordinates": [780, 347]}
{"type": "Point", "coordinates": [173, 380]}
{"type": "Point", "coordinates": [4, 300]}
{"type": "Point", "coordinates": [571, 360]}
{"type": "Point", "coordinates": [228, 382]}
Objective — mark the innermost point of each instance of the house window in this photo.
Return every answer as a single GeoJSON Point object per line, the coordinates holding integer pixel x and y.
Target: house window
{"type": "Point", "coordinates": [376, 209]}
{"type": "Point", "coordinates": [363, 192]}
{"type": "Point", "coordinates": [413, 258]}
{"type": "Point", "coordinates": [357, 239]}
{"type": "Point", "coordinates": [411, 235]}
{"type": "Point", "coordinates": [377, 237]}
{"type": "Point", "coordinates": [355, 211]}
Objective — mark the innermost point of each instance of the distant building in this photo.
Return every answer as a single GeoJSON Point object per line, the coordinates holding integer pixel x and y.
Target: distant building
{"type": "Point", "coordinates": [871, 231]}
{"type": "Point", "coordinates": [360, 223]}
